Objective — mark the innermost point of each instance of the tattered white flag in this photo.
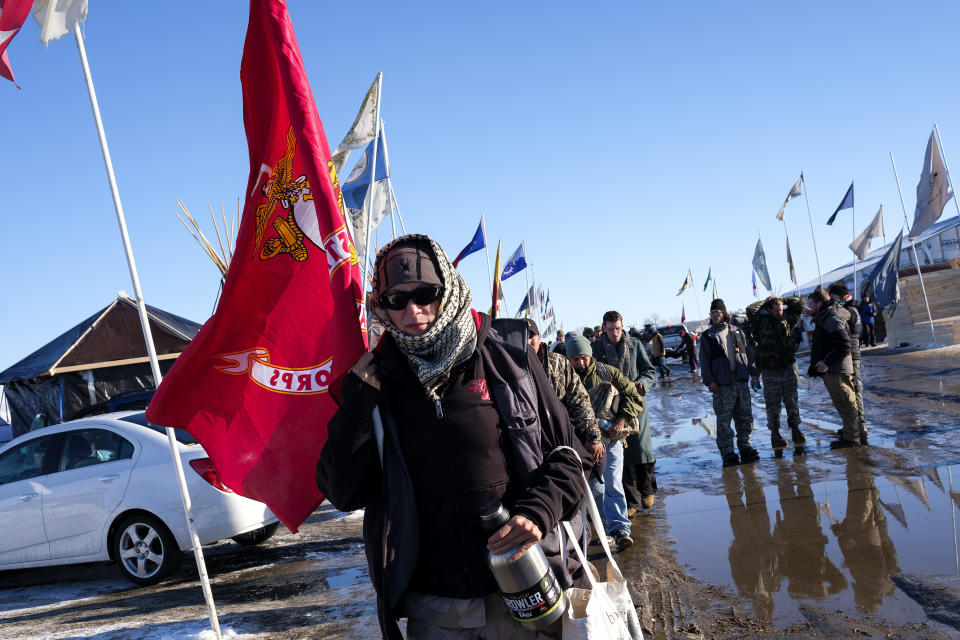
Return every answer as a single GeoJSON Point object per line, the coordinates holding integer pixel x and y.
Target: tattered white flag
{"type": "Point", "coordinates": [861, 245]}
{"type": "Point", "coordinates": [58, 17]}
{"type": "Point", "coordinates": [363, 129]}
{"type": "Point", "coordinates": [933, 190]}
{"type": "Point", "coordinates": [794, 192]}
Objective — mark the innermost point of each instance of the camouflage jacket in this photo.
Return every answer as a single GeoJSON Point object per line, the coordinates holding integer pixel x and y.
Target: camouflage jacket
{"type": "Point", "coordinates": [573, 395]}
{"type": "Point", "coordinates": [773, 339]}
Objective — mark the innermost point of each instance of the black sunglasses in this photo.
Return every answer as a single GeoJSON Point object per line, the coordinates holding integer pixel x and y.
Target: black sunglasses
{"type": "Point", "coordinates": [422, 295]}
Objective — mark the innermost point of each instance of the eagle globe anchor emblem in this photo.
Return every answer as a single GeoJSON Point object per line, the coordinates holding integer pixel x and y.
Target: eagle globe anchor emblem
{"type": "Point", "coordinates": [293, 195]}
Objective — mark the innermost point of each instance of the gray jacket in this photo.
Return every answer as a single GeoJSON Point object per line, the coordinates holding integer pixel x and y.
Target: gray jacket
{"type": "Point", "coordinates": [715, 361]}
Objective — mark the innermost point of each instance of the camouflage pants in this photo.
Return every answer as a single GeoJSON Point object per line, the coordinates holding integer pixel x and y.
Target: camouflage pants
{"type": "Point", "coordinates": [780, 386]}
{"type": "Point", "coordinates": [732, 402]}
{"type": "Point", "coordinates": [840, 388]}
{"type": "Point", "coordinates": [858, 389]}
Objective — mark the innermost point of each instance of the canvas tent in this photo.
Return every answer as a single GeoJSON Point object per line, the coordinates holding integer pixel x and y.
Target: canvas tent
{"type": "Point", "coordinates": [101, 357]}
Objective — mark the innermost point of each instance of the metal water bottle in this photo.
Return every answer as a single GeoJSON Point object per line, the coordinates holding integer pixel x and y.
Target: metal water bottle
{"type": "Point", "coordinates": [528, 586]}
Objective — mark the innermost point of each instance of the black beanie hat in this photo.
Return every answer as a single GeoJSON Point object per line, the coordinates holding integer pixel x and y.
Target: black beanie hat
{"type": "Point", "coordinates": [532, 327]}
{"type": "Point", "coordinates": [718, 304]}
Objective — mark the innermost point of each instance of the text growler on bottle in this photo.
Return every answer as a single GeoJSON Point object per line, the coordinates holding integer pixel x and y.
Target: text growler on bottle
{"type": "Point", "coordinates": [528, 586]}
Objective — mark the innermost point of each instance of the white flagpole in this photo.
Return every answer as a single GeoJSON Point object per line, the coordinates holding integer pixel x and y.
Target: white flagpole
{"type": "Point", "coordinates": [916, 260]}
{"type": "Point", "coordinates": [853, 236]}
{"type": "Point", "coordinates": [816, 254]}
{"type": "Point", "coordinates": [486, 247]}
{"type": "Point", "coordinates": [368, 199]}
{"type": "Point", "coordinates": [393, 201]}
{"type": "Point", "coordinates": [147, 336]}
{"type": "Point", "coordinates": [943, 154]}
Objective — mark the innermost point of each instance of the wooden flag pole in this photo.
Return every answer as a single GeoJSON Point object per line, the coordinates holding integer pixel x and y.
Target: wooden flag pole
{"type": "Point", "coordinates": [816, 254]}
{"type": "Point", "coordinates": [916, 260]}
{"type": "Point", "coordinates": [147, 335]}
{"type": "Point", "coordinates": [853, 236]}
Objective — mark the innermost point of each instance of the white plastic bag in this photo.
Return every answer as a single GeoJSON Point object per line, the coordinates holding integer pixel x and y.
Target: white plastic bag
{"type": "Point", "coordinates": [605, 611]}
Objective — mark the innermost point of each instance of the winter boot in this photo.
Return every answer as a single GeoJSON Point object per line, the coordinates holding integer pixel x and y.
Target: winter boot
{"type": "Point", "coordinates": [796, 436]}
{"type": "Point", "coordinates": [776, 440]}
{"type": "Point", "coordinates": [749, 454]}
{"type": "Point", "coordinates": [843, 444]}
{"type": "Point", "coordinates": [730, 459]}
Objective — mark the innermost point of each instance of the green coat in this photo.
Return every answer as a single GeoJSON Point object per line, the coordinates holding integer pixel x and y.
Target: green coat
{"type": "Point", "coordinates": [631, 402]}
{"type": "Point", "coordinates": [638, 369]}
{"type": "Point", "coordinates": [772, 338]}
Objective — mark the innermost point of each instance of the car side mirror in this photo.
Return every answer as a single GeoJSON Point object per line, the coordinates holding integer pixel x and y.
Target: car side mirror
{"type": "Point", "coordinates": [39, 422]}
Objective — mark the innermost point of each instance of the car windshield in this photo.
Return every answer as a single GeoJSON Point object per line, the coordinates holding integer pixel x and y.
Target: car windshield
{"type": "Point", "coordinates": [140, 418]}
{"type": "Point", "coordinates": [672, 330]}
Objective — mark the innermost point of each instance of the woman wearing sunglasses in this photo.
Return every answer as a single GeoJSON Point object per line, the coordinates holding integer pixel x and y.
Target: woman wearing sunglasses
{"type": "Point", "coordinates": [469, 420]}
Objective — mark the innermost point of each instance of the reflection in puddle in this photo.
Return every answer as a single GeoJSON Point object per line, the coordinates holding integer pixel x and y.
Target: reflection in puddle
{"type": "Point", "coordinates": [828, 542]}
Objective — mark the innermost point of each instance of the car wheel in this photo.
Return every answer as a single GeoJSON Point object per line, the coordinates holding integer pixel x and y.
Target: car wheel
{"type": "Point", "coordinates": [145, 549]}
{"type": "Point", "coordinates": [258, 535]}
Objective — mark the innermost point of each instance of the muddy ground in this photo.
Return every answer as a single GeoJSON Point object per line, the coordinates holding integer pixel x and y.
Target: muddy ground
{"type": "Point", "coordinates": [807, 542]}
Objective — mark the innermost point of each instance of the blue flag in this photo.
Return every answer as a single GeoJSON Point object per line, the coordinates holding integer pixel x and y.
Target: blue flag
{"type": "Point", "coordinates": [524, 305]}
{"type": "Point", "coordinates": [515, 264]}
{"type": "Point", "coordinates": [354, 188]}
{"type": "Point", "coordinates": [883, 280]}
{"type": "Point", "coordinates": [479, 242]}
{"type": "Point", "coordinates": [845, 204]}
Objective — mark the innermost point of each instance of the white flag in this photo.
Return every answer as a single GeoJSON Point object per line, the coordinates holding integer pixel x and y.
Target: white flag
{"type": "Point", "coordinates": [58, 17]}
{"type": "Point", "coordinates": [794, 192]}
{"type": "Point", "coordinates": [381, 205]}
{"type": "Point", "coordinates": [760, 265]}
{"type": "Point", "coordinates": [861, 245]}
{"type": "Point", "coordinates": [793, 272]}
{"type": "Point", "coordinates": [933, 190]}
{"type": "Point", "coordinates": [363, 129]}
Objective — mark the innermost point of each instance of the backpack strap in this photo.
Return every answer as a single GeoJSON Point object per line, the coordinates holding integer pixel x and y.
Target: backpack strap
{"type": "Point", "coordinates": [604, 372]}
{"type": "Point", "coordinates": [511, 331]}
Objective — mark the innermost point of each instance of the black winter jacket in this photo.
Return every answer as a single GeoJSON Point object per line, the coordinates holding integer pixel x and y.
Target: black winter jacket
{"type": "Point", "coordinates": [831, 340]}
{"type": "Point", "coordinates": [410, 543]}
{"type": "Point", "coordinates": [714, 362]}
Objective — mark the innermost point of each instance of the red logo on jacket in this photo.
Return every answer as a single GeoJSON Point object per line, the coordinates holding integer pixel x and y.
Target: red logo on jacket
{"type": "Point", "coordinates": [479, 386]}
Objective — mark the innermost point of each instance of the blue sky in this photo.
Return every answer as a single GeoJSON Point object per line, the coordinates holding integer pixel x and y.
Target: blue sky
{"type": "Point", "coordinates": [624, 143]}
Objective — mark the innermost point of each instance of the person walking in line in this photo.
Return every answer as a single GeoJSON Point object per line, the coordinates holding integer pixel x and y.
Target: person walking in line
{"type": "Point", "coordinates": [571, 392]}
{"type": "Point", "coordinates": [592, 373]}
{"type": "Point", "coordinates": [446, 455]}
{"type": "Point", "coordinates": [689, 347]}
{"type": "Point", "coordinates": [659, 352]}
{"type": "Point", "coordinates": [868, 315]}
{"type": "Point", "coordinates": [726, 364]}
{"type": "Point", "coordinates": [771, 324]}
{"type": "Point", "coordinates": [838, 291]}
{"type": "Point", "coordinates": [830, 359]}
{"type": "Point", "coordinates": [616, 348]}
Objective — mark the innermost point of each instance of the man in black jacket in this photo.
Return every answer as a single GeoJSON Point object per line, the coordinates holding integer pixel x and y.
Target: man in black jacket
{"type": "Point", "coordinates": [830, 359]}
{"type": "Point", "coordinates": [469, 421]}
{"type": "Point", "coordinates": [839, 292]}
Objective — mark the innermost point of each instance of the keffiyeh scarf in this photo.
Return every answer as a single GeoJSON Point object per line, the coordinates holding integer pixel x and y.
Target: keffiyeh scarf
{"type": "Point", "coordinates": [453, 336]}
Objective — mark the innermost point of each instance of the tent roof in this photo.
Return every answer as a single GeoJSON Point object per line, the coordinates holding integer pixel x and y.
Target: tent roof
{"type": "Point", "coordinates": [845, 271]}
{"type": "Point", "coordinates": [110, 337]}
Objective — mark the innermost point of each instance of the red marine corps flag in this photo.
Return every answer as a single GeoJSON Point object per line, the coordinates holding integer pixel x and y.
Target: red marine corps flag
{"type": "Point", "coordinates": [258, 384]}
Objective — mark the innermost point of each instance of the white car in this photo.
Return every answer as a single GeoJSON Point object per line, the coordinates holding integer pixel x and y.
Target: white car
{"type": "Point", "coordinates": [104, 488]}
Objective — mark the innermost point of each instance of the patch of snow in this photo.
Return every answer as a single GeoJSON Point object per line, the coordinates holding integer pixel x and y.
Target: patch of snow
{"type": "Point", "coordinates": [342, 515]}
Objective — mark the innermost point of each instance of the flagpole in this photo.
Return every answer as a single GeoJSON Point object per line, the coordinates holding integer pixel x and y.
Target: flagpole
{"type": "Point", "coordinates": [853, 235]}
{"type": "Point", "coordinates": [526, 278]}
{"type": "Point", "coordinates": [393, 199]}
{"type": "Point", "coordinates": [486, 248]}
{"type": "Point", "coordinates": [816, 254]}
{"type": "Point", "coordinates": [147, 335]}
{"type": "Point", "coordinates": [943, 154]}
{"type": "Point", "coordinates": [368, 199]}
{"type": "Point", "coordinates": [916, 259]}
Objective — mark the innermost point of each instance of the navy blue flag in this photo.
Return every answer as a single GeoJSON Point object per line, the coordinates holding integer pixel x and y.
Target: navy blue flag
{"type": "Point", "coordinates": [883, 280]}
{"type": "Point", "coordinates": [354, 188]}
{"type": "Point", "coordinates": [524, 305]}
{"type": "Point", "coordinates": [515, 264]}
{"type": "Point", "coordinates": [479, 242]}
{"type": "Point", "coordinates": [846, 204]}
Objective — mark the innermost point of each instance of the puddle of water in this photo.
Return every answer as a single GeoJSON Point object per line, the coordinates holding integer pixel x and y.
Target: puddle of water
{"type": "Point", "coordinates": [347, 577]}
{"type": "Point", "coordinates": [832, 542]}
